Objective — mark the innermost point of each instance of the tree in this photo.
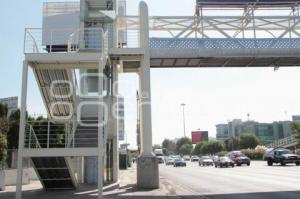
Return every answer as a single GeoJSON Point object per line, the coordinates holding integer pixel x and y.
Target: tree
{"type": "Point", "coordinates": [169, 147]}
{"type": "Point", "coordinates": [56, 131]}
{"type": "Point", "coordinates": [183, 141]}
{"type": "Point", "coordinates": [13, 132]}
{"type": "Point", "coordinates": [248, 140]}
{"type": "Point", "coordinates": [232, 144]}
{"type": "Point", "coordinates": [197, 149]}
{"type": "Point", "coordinates": [3, 110]}
{"type": "Point", "coordinates": [295, 126]}
{"type": "Point", "coordinates": [212, 147]}
{"type": "Point", "coordinates": [156, 146]}
{"type": "Point", "coordinates": [186, 149]}
{"type": "Point", "coordinates": [3, 149]}
{"type": "Point", "coordinates": [4, 126]}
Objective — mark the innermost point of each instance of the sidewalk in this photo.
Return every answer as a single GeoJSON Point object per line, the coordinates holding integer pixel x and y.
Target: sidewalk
{"type": "Point", "coordinates": [167, 189]}
{"type": "Point", "coordinates": [127, 190]}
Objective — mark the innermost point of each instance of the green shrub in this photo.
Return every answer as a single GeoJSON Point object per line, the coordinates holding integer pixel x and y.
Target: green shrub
{"type": "Point", "coordinates": [222, 153]}
{"type": "Point", "coordinates": [252, 154]}
{"type": "Point", "coordinates": [208, 148]}
{"type": "Point", "coordinates": [3, 149]}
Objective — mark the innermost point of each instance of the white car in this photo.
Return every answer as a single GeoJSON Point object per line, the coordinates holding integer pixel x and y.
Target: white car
{"type": "Point", "coordinates": [206, 161]}
{"type": "Point", "coordinates": [170, 161]}
{"type": "Point", "coordinates": [194, 158]}
{"type": "Point", "coordinates": [186, 158]}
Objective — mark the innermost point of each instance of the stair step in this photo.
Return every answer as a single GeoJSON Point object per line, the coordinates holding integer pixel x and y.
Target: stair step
{"type": "Point", "coordinates": [53, 172]}
{"type": "Point", "coordinates": [86, 145]}
{"type": "Point", "coordinates": [58, 184]}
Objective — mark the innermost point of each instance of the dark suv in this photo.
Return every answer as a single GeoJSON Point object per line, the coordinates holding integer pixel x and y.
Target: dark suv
{"type": "Point", "coordinates": [239, 158]}
{"type": "Point", "coordinates": [282, 156]}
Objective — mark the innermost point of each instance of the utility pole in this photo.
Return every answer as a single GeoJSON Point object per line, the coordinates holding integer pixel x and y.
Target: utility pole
{"type": "Point", "coordinates": [183, 105]}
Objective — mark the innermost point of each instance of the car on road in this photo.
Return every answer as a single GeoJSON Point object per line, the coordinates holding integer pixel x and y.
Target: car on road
{"type": "Point", "coordinates": [239, 158]}
{"type": "Point", "coordinates": [206, 161]}
{"type": "Point", "coordinates": [194, 158]}
{"type": "Point", "coordinates": [160, 159]}
{"type": "Point", "coordinates": [179, 162]}
{"type": "Point", "coordinates": [186, 158]}
{"type": "Point", "coordinates": [282, 156]}
{"type": "Point", "coordinates": [224, 161]}
{"type": "Point", "coordinates": [215, 158]}
{"type": "Point", "coordinates": [170, 161]}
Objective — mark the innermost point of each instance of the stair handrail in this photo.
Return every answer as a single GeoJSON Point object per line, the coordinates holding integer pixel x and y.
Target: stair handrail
{"type": "Point", "coordinates": [35, 47]}
{"type": "Point", "coordinates": [285, 141]}
{"type": "Point", "coordinates": [71, 134]}
{"type": "Point", "coordinates": [32, 133]}
{"type": "Point", "coordinates": [72, 43]}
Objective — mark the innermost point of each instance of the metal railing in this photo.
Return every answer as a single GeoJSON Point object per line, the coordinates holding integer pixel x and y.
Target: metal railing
{"type": "Point", "coordinates": [71, 134]}
{"type": "Point", "coordinates": [44, 134]}
{"type": "Point", "coordinates": [38, 40]}
{"type": "Point", "coordinates": [285, 142]}
{"type": "Point", "coordinates": [31, 140]}
{"type": "Point", "coordinates": [128, 39]}
{"type": "Point", "coordinates": [224, 43]}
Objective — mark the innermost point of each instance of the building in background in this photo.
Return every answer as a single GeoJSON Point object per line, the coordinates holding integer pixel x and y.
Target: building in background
{"type": "Point", "coordinates": [296, 118]}
{"type": "Point", "coordinates": [266, 132]}
{"type": "Point", "coordinates": [11, 103]}
{"type": "Point", "coordinates": [222, 132]}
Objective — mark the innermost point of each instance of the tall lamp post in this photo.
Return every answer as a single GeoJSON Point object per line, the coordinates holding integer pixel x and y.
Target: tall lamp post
{"type": "Point", "coordinates": [183, 105]}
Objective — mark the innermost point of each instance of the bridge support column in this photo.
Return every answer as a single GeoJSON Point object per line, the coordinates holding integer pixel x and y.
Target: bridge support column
{"type": "Point", "coordinates": [100, 131]}
{"type": "Point", "coordinates": [147, 164]}
{"type": "Point", "coordinates": [22, 130]}
{"type": "Point", "coordinates": [115, 125]}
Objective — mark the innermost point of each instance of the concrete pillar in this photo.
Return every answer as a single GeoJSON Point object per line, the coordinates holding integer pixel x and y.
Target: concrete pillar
{"type": "Point", "coordinates": [115, 126]}
{"type": "Point", "coordinates": [147, 170]}
{"type": "Point", "coordinates": [22, 130]}
{"type": "Point", "coordinates": [100, 130]}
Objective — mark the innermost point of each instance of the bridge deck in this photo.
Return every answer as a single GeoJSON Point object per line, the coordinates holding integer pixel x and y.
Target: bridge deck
{"type": "Point", "coordinates": [195, 52]}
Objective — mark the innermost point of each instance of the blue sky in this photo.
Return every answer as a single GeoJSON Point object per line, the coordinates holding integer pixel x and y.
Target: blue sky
{"type": "Point", "coordinates": [212, 95]}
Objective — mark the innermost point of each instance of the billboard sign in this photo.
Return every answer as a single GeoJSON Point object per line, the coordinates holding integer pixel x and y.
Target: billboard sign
{"type": "Point", "coordinates": [198, 136]}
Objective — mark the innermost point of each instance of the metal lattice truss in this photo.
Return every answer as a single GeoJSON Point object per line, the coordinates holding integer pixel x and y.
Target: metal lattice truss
{"type": "Point", "coordinates": [248, 25]}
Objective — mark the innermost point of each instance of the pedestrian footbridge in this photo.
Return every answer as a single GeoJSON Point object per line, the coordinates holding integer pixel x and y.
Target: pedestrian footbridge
{"type": "Point", "coordinates": [215, 52]}
{"type": "Point", "coordinates": [288, 142]}
{"type": "Point", "coordinates": [77, 59]}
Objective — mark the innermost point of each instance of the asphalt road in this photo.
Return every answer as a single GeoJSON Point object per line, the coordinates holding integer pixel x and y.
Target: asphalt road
{"type": "Point", "coordinates": [257, 181]}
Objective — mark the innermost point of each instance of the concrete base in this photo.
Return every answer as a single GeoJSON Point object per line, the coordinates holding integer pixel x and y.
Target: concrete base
{"type": "Point", "coordinates": [2, 180]}
{"type": "Point", "coordinates": [11, 176]}
{"type": "Point", "coordinates": [147, 173]}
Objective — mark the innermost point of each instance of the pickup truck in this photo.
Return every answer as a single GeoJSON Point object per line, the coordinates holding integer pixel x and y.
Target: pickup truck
{"type": "Point", "coordinates": [282, 156]}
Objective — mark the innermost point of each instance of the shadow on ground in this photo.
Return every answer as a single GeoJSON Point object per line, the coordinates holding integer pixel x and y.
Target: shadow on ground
{"type": "Point", "coordinates": [130, 192]}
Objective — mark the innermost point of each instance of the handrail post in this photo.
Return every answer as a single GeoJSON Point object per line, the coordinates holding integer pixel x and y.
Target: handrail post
{"type": "Point", "coordinates": [67, 132]}
{"type": "Point", "coordinates": [25, 37]}
{"type": "Point", "coordinates": [29, 139]}
{"type": "Point", "coordinates": [48, 134]}
{"type": "Point", "coordinates": [51, 41]}
{"type": "Point", "coordinates": [73, 135]}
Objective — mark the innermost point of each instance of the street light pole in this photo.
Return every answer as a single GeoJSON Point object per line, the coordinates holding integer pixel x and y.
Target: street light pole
{"type": "Point", "coordinates": [183, 105]}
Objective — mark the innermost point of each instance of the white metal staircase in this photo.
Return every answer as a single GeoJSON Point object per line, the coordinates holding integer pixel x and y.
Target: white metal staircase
{"type": "Point", "coordinates": [53, 84]}
{"type": "Point", "coordinates": [55, 173]}
{"type": "Point", "coordinates": [87, 135]}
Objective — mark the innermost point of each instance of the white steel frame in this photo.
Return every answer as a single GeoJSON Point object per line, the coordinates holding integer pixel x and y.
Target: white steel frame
{"type": "Point", "coordinates": [251, 23]}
